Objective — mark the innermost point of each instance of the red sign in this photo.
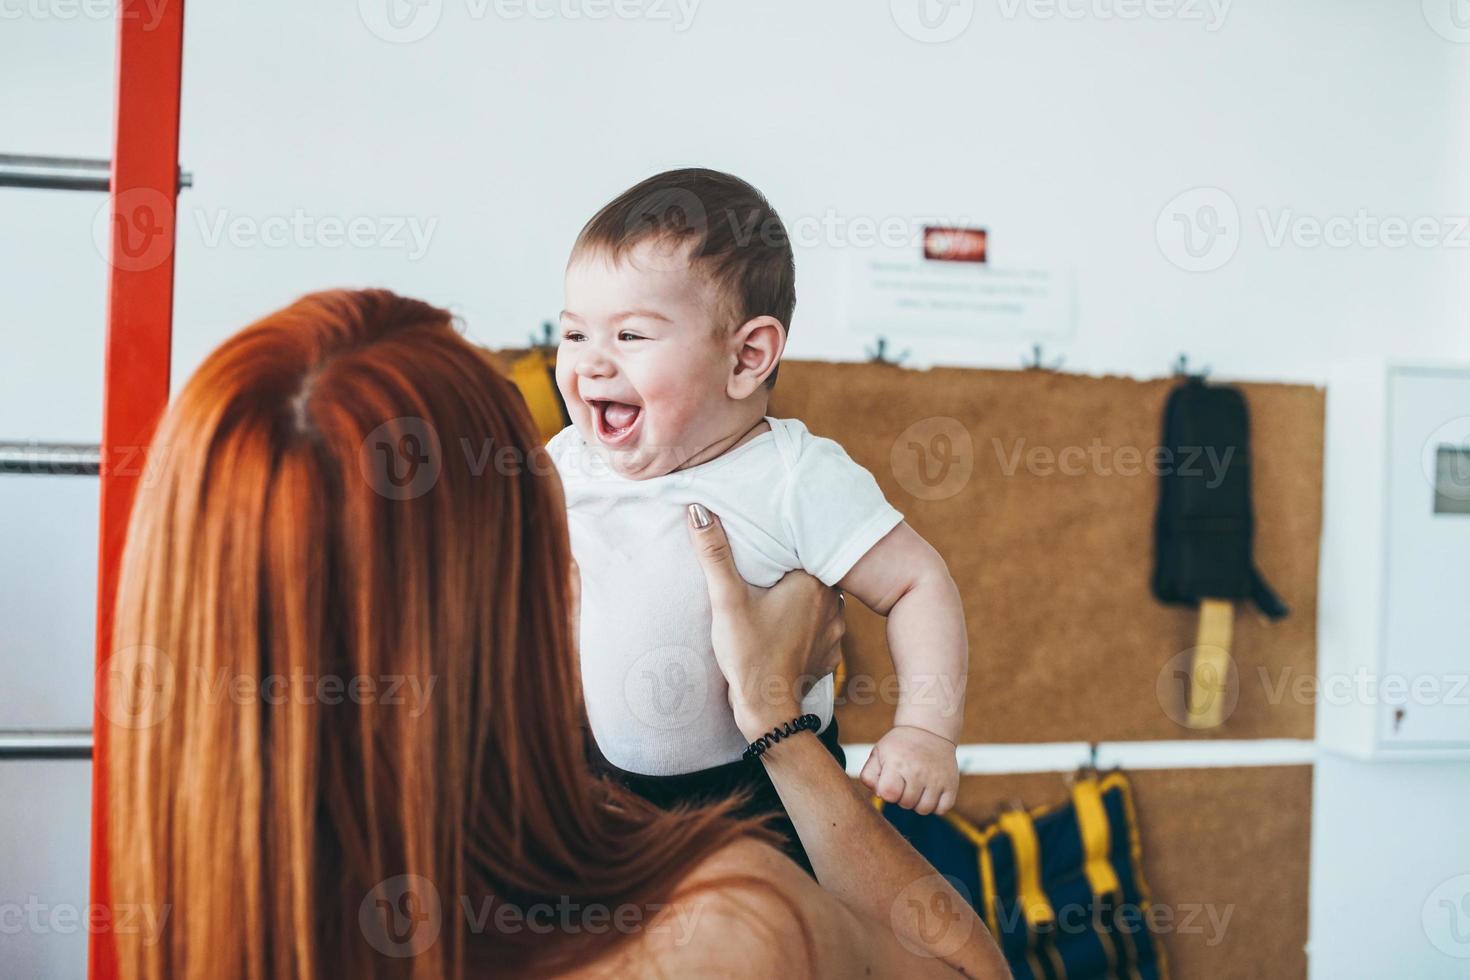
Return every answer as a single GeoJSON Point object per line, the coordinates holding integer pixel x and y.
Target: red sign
{"type": "Point", "coordinates": [954, 244]}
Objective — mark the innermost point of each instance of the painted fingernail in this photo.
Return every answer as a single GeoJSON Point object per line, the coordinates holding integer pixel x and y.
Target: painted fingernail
{"type": "Point", "coordinates": [699, 517]}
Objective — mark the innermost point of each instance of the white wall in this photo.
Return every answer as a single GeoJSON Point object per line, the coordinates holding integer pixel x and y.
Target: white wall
{"type": "Point", "coordinates": [1066, 136]}
{"type": "Point", "coordinates": [1389, 850]}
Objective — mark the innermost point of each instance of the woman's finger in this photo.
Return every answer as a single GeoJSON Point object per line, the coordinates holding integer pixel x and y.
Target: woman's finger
{"type": "Point", "coordinates": [826, 650]}
{"type": "Point", "coordinates": [831, 661]}
{"type": "Point", "coordinates": [726, 587]}
{"type": "Point", "coordinates": [832, 644]}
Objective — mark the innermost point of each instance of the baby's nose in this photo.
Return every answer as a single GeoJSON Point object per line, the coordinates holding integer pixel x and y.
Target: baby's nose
{"type": "Point", "coordinates": [594, 364]}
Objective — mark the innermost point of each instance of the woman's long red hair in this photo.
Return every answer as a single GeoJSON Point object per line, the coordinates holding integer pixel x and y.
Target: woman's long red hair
{"type": "Point", "coordinates": [348, 492]}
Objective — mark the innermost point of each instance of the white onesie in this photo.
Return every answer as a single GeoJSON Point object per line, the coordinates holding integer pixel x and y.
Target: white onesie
{"type": "Point", "coordinates": [655, 696]}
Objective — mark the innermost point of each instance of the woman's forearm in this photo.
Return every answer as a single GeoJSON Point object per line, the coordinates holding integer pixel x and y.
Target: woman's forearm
{"type": "Point", "coordinates": [862, 860]}
{"type": "Point", "coordinates": [772, 634]}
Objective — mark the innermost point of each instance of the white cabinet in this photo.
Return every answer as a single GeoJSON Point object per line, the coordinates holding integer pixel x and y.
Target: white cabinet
{"type": "Point", "coordinates": [1393, 621]}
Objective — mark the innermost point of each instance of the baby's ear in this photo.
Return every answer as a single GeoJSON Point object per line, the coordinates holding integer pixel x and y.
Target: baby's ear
{"type": "Point", "coordinates": [757, 345]}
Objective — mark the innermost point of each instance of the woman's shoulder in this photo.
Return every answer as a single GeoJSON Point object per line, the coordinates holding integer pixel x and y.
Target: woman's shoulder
{"type": "Point", "coordinates": [744, 856]}
{"type": "Point", "coordinates": [746, 910]}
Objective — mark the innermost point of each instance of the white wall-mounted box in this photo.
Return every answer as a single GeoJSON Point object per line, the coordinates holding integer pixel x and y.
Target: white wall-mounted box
{"type": "Point", "coordinates": [1393, 620]}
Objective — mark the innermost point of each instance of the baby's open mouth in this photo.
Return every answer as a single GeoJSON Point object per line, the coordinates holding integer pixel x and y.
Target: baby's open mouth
{"type": "Point", "coordinates": [615, 420]}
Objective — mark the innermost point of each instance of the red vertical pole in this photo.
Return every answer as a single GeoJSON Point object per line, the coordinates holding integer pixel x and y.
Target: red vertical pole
{"type": "Point", "coordinates": [145, 185]}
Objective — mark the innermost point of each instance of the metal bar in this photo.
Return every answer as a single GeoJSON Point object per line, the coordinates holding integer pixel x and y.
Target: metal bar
{"type": "Point", "coordinates": [59, 173]}
{"type": "Point", "coordinates": [26, 745]}
{"type": "Point", "coordinates": [50, 459]}
{"type": "Point", "coordinates": [62, 173]}
{"type": "Point", "coordinates": [993, 758]}
{"type": "Point", "coordinates": [145, 187]}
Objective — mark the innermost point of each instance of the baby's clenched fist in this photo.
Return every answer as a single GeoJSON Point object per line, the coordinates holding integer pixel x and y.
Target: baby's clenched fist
{"type": "Point", "coordinates": [915, 769]}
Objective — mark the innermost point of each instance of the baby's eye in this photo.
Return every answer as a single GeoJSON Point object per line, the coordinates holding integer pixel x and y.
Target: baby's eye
{"type": "Point", "coordinates": [571, 335]}
{"type": "Point", "coordinates": [628, 335]}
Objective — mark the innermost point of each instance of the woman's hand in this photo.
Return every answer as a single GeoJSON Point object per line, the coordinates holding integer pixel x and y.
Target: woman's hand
{"type": "Point", "coordinates": [772, 644]}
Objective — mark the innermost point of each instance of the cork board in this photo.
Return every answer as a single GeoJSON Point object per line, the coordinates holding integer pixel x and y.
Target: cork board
{"type": "Point", "coordinates": [1044, 513]}
{"type": "Point", "coordinates": [1045, 517]}
{"type": "Point", "coordinates": [1053, 559]}
{"type": "Point", "coordinates": [1225, 856]}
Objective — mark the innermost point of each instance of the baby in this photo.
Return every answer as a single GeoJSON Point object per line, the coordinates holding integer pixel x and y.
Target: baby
{"type": "Point", "coordinates": [679, 295]}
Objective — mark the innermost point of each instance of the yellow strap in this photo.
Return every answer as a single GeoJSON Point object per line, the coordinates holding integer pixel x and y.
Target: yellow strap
{"type": "Point", "coordinates": [1092, 822]}
{"type": "Point", "coordinates": [1210, 672]}
{"type": "Point", "coordinates": [987, 885]}
{"type": "Point", "coordinates": [531, 373]}
{"type": "Point", "coordinates": [1017, 825]}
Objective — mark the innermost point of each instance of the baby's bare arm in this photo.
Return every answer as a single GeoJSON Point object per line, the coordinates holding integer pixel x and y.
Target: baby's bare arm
{"type": "Point", "coordinates": [903, 578]}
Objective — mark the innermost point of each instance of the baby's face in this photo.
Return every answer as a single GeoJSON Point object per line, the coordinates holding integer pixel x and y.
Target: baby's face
{"type": "Point", "coordinates": [640, 366]}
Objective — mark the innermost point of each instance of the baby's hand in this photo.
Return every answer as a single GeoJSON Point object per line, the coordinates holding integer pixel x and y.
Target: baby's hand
{"type": "Point", "coordinates": [915, 769]}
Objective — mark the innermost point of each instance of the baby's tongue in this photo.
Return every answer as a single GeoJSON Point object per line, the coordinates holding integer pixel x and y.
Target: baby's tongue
{"type": "Point", "coordinates": [620, 416]}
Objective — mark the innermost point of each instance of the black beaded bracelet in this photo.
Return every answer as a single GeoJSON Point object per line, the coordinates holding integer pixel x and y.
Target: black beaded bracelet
{"type": "Point", "coordinates": [806, 723]}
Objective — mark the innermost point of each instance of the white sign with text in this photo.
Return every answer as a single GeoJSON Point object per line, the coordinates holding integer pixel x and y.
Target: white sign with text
{"type": "Point", "coordinates": [900, 294]}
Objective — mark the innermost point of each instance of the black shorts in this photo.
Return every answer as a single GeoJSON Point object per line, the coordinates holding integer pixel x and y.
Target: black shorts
{"type": "Point", "coordinates": [709, 785]}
